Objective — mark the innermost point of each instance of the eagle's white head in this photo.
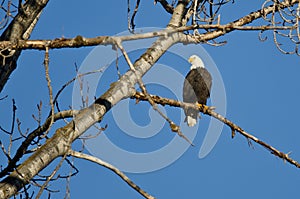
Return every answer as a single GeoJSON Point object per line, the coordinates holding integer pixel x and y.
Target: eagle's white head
{"type": "Point", "coordinates": [196, 62]}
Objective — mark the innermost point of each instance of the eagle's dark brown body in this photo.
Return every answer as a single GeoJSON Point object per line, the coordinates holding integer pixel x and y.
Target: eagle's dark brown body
{"type": "Point", "coordinates": [196, 88]}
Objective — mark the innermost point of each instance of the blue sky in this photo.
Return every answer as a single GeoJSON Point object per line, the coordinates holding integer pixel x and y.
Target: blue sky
{"type": "Point", "coordinates": [262, 95]}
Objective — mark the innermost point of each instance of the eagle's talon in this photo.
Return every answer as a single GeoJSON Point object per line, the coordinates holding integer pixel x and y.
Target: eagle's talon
{"type": "Point", "coordinates": [205, 107]}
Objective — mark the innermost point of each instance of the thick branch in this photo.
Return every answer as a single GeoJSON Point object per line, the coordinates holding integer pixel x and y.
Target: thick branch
{"type": "Point", "coordinates": [80, 41]}
{"type": "Point", "coordinates": [63, 137]}
{"type": "Point", "coordinates": [19, 28]}
{"type": "Point", "coordinates": [123, 88]}
{"type": "Point", "coordinates": [31, 136]}
{"type": "Point", "coordinates": [209, 111]}
{"type": "Point", "coordinates": [220, 30]}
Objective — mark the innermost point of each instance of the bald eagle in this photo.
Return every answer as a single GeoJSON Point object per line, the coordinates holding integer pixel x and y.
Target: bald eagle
{"type": "Point", "coordinates": [196, 88]}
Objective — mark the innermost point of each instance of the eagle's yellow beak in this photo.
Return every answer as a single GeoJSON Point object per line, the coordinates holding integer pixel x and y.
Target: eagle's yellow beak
{"type": "Point", "coordinates": [190, 60]}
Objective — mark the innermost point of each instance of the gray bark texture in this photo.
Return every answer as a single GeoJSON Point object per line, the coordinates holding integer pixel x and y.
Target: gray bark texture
{"type": "Point", "coordinates": [20, 28]}
{"type": "Point", "coordinates": [59, 144]}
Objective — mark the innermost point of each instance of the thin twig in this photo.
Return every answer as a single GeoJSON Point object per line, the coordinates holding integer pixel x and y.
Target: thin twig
{"type": "Point", "coordinates": [117, 64]}
{"type": "Point", "coordinates": [12, 127]}
{"type": "Point", "coordinates": [132, 25]}
{"type": "Point", "coordinates": [51, 176]}
{"type": "Point", "coordinates": [118, 43]}
{"type": "Point", "coordinates": [46, 65]}
{"type": "Point", "coordinates": [2, 98]}
{"type": "Point", "coordinates": [72, 80]}
{"type": "Point", "coordinates": [25, 144]}
{"type": "Point", "coordinates": [169, 8]}
{"type": "Point", "coordinates": [5, 152]}
{"type": "Point", "coordinates": [175, 128]}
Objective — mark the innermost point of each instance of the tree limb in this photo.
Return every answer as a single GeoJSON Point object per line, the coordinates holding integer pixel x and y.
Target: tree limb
{"type": "Point", "coordinates": [31, 136]}
{"type": "Point", "coordinates": [58, 144]}
{"type": "Point", "coordinates": [112, 168]}
{"type": "Point", "coordinates": [20, 28]}
{"type": "Point", "coordinates": [209, 111]}
{"type": "Point", "coordinates": [247, 19]}
{"type": "Point", "coordinates": [169, 8]}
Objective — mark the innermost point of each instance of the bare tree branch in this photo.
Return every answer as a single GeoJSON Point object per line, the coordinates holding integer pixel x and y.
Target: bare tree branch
{"type": "Point", "coordinates": [239, 23]}
{"type": "Point", "coordinates": [19, 28]}
{"type": "Point", "coordinates": [10, 56]}
{"type": "Point", "coordinates": [80, 41]}
{"type": "Point", "coordinates": [169, 8]}
{"type": "Point", "coordinates": [51, 102]}
{"type": "Point", "coordinates": [173, 126]}
{"type": "Point", "coordinates": [112, 168]}
{"type": "Point", "coordinates": [209, 111]}
{"type": "Point", "coordinates": [131, 24]}
{"type": "Point", "coordinates": [50, 177]}
{"type": "Point", "coordinates": [25, 144]}
{"type": "Point", "coordinates": [59, 144]}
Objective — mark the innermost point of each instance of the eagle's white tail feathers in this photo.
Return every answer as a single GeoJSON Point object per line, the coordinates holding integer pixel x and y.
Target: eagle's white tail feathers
{"type": "Point", "coordinates": [191, 121]}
